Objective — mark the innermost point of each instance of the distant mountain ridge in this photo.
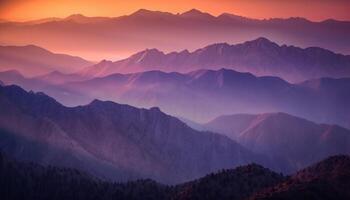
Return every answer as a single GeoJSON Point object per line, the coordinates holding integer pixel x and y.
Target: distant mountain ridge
{"type": "Point", "coordinates": [170, 32]}
{"type": "Point", "coordinates": [32, 60]}
{"type": "Point", "coordinates": [202, 95]}
{"type": "Point", "coordinates": [260, 57]}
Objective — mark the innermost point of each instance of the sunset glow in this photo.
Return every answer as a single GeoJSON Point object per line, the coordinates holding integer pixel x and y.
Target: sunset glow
{"type": "Point", "coordinates": [20, 10]}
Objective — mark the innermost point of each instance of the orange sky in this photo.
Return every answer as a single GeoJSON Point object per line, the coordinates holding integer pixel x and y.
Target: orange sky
{"type": "Point", "coordinates": [22, 10]}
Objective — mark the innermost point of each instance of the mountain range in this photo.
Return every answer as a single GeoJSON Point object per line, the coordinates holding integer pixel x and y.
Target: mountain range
{"type": "Point", "coordinates": [326, 180]}
{"type": "Point", "coordinates": [112, 141]}
{"type": "Point", "coordinates": [202, 95]}
{"type": "Point", "coordinates": [183, 106]}
{"type": "Point", "coordinates": [120, 142]}
{"type": "Point", "coordinates": [260, 57]}
{"type": "Point", "coordinates": [97, 38]}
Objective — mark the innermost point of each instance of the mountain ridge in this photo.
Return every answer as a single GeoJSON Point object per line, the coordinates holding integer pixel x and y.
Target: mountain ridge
{"type": "Point", "coordinates": [187, 94]}
{"type": "Point", "coordinates": [261, 57]}
{"type": "Point", "coordinates": [284, 136]}
{"type": "Point", "coordinates": [137, 142]}
{"type": "Point", "coordinates": [193, 10]}
{"type": "Point", "coordinates": [170, 32]}
{"type": "Point", "coordinates": [33, 60]}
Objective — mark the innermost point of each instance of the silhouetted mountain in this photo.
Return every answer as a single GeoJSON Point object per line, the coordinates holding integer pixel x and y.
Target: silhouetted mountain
{"type": "Point", "coordinates": [238, 183]}
{"type": "Point", "coordinates": [292, 140]}
{"type": "Point", "coordinates": [111, 140]}
{"type": "Point", "coordinates": [260, 57]}
{"type": "Point", "coordinates": [30, 181]}
{"type": "Point", "coordinates": [326, 180]}
{"type": "Point", "coordinates": [81, 19]}
{"type": "Point", "coordinates": [64, 183]}
{"type": "Point", "coordinates": [32, 60]}
{"type": "Point", "coordinates": [119, 37]}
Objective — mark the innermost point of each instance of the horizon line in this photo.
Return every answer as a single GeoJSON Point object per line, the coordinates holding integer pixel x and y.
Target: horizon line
{"type": "Point", "coordinates": [2, 20]}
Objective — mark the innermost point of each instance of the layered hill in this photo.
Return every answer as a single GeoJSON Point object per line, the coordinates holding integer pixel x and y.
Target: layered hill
{"type": "Point", "coordinates": [203, 94]}
{"type": "Point", "coordinates": [117, 37]}
{"type": "Point", "coordinates": [295, 141]}
{"type": "Point", "coordinates": [260, 57]}
{"type": "Point", "coordinates": [32, 60]}
{"type": "Point", "coordinates": [112, 140]}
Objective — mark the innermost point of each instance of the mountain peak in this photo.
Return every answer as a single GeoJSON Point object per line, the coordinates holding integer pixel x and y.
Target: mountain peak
{"type": "Point", "coordinates": [153, 51]}
{"type": "Point", "coordinates": [75, 17]}
{"type": "Point", "coordinates": [144, 12]}
{"type": "Point", "coordinates": [31, 48]}
{"type": "Point", "coordinates": [155, 109]}
{"type": "Point", "coordinates": [233, 17]}
{"type": "Point", "coordinates": [105, 62]}
{"type": "Point", "coordinates": [194, 13]}
{"type": "Point", "coordinates": [261, 42]}
{"type": "Point", "coordinates": [95, 102]}
{"type": "Point", "coordinates": [148, 54]}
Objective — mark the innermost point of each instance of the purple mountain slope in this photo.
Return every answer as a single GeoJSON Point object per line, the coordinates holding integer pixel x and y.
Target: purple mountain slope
{"type": "Point", "coordinates": [57, 77]}
{"type": "Point", "coordinates": [260, 57]}
{"type": "Point", "coordinates": [205, 94]}
{"type": "Point", "coordinates": [47, 83]}
{"type": "Point", "coordinates": [297, 141]}
{"type": "Point", "coordinates": [135, 143]}
{"type": "Point", "coordinates": [33, 60]}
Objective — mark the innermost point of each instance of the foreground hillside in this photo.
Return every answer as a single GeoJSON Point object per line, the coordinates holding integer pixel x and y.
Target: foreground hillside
{"type": "Point", "coordinates": [329, 179]}
{"type": "Point", "coordinates": [32, 182]}
{"type": "Point", "coordinates": [326, 180]}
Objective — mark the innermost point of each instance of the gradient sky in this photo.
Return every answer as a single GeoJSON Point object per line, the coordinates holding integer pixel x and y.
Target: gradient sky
{"type": "Point", "coordinates": [316, 10]}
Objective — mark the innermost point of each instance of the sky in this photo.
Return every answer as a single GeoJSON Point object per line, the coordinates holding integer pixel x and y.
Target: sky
{"type": "Point", "coordinates": [315, 10]}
